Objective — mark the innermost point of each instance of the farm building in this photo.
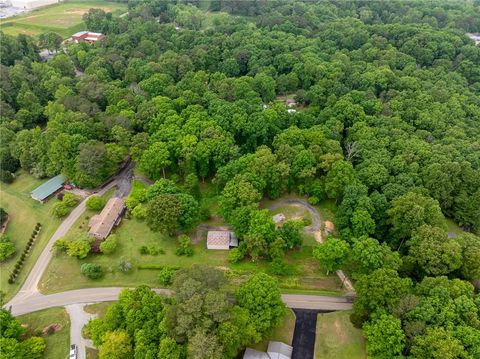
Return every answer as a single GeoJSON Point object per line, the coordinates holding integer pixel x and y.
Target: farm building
{"type": "Point", "coordinates": [222, 240]}
{"type": "Point", "coordinates": [32, 4]}
{"type": "Point", "coordinates": [88, 37]}
{"type": "Point", "coordinates": [276, 350]}
{"type": "Point", "coordinates": [102, 224]}
{"type": "Point", "coordinates": [47, 189]}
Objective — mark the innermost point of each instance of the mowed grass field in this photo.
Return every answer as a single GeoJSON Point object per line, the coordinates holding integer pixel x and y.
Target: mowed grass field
{"type": "Point", "coordinates": [338, 338]}
{"type": "Point", "coordinates": [64, 18]}
{"type": "Point", "coordinates": [58, 343]}
{"type": "Point", "coordinates": [24, 213]}
{"type": "Point", "coordinates": [63, 273]}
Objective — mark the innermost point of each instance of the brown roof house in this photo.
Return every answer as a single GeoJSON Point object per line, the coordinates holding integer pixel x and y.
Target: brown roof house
{"type": "Point", "coordinates": [111, 215]}
{"type": "Point", "coordinates": [221, 240]}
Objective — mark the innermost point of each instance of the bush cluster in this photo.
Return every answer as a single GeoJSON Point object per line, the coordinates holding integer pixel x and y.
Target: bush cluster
{"type": "Point", "coordinates": [61, 209]}
{"type": "Point", "coordinates": [152, 250]}
{"type": "Point", "coordinates": [19, 265]}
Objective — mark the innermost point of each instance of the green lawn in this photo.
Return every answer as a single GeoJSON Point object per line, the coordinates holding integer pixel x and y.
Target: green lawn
{"type": "Point", "coordinates": [283, 333]}
{"type": "Point", "coordinates": [63, 272]}
{"type": "Point", "coordinates": [58, 343]}
{"type": "Point", "coordinates": [64, 19]}
{"type": "Point", "coordinates": [98, 308]}
{"type": "Point", "coordinates": [338, 338]}
{"type": "Point", "coordinates": [453, 227]}
{"type": "Point", "coordinates": [24, 213]}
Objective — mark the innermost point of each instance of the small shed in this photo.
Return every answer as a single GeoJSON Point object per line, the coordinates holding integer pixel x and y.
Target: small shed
{"type": "Point", "coordinates": [233, 239]}
{"type": "Point", "coordinates": [254, 354]}
{"type": "Point", "coordinates": [47, 189]}
{"type": "Point", "coordinates": [102, 224]}
{"type": "Point", "coordinates": [278, 218]}
{"type": "Point", "coordinates": [279, 350]}
{"type": "Point", "coordinates": [218, 240]}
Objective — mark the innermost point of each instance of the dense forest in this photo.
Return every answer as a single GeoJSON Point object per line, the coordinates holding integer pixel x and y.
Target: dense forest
{"type": "Point", "coordinates": [385, 121]}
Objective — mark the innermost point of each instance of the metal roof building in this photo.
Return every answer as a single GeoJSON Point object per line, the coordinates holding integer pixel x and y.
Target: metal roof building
{"type": "Point", "coordinates": [48, 188]}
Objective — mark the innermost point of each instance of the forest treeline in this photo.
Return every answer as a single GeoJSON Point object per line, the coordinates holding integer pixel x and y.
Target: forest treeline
{"type": "Point", "coordinates": [387, 124]}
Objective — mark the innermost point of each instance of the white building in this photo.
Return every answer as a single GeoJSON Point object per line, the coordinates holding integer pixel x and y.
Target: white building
{"type": "Point", "coordinates": [32, 4]}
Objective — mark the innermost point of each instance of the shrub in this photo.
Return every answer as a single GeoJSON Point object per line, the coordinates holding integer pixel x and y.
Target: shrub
{"type": "Point", "coordinates": [79, 248]}
{"type": "Point", "coordinates": [124, 265]}
{"type": "Point", "coordinates": [92, 270]}
{"type": "Point", "coordinates": [61, 209]}
{"type": "Point", "coordinates": [184, 248]}
{"type": "Point", "coordinates": [6, 176]}
{"type": "Point", "coordinates": [144, 250]}
{"type": "Point", "coordinates": [280, 268]}
{"type": "Point", "coordinates": [166, 275]}
{"type": "Point", "coordinates": [70, 200]}
{"type": "Point", "coordinates": [95, 203]}
{"type": "Point", "coordinates": [109, 245]}
{"type": "Point", "coordinates": [235, 255]}
{"type": "Point", "coordinates": [313, 200]}
{"type": "Point", "coordinates": [7, 248]}
{"type": "Point", "coordinates": [139, 212]}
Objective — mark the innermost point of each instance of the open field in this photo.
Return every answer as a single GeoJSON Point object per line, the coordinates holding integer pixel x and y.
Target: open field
{"type": "Point", "coordinates": [283, 333]}
{"type": "Point", "coordinates": [338, 338]}
{"type": "Point", "coordinates": [58, 343]}
{"type": "Point", "coordinates": [63, 272]}
{"type": "Point", "coordinates": [24, 213]}
{"type": "Point", "coordinates": [64, 19]}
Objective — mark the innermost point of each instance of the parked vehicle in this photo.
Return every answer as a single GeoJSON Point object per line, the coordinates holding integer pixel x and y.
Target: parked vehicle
{"type": "Point", "coordinates": [73, 351]}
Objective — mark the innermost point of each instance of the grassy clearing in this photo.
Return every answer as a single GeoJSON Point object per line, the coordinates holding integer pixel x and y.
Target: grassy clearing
{"type": "Point", "coordinates": [98, 308]}
{"type": "Point", "coordinates": [63, 272]}
{"type": "Point", "coordinates": [338, 338]}
{"type": "Point", "coordinates": [283, 333]}
{"type": "Point", "coordinates": [58, 343]}
{"type": "Point", "coordinates": [64, 19]}
{"type": "Point", "coordinates": [453, 227]}
{"type": "Point", "coordinates": [24, 213]}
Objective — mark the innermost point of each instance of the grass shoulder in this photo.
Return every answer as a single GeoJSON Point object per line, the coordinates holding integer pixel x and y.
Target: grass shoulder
{"type": "Point", "coordinates": [57, 339]}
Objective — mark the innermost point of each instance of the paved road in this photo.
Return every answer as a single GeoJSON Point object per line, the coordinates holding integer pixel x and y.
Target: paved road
{"type": "Point", "coordinates": [78, 319]}
{"type": "Point", "coordinates": [30, 286]}
{"type": "Point", "coordinates": [38, 301]}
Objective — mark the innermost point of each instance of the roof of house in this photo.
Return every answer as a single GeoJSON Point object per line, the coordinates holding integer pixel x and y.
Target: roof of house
{"type": "Point", "coordinates": [254, 354]}
{"type": "Point", "coordinates": [48, 188]}
{"type": "Point", "coordinates": [102, 224]}
{"type": "Point", "coordinates": [218, 238]}
{"type": "Point", "coordinates": [279, 350]}
{"type": "Point", "coordinates": [80, 33]}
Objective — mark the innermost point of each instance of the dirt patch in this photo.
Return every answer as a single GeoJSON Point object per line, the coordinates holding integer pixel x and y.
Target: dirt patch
{"type": "Point", "coordinates": [52, 328]}
{"type": "Point", "coordinates": [80, 11]}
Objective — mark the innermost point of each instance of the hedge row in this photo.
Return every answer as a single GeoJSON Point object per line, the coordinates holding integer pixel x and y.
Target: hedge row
{"type": "Point", "coordinates": [19, 265]}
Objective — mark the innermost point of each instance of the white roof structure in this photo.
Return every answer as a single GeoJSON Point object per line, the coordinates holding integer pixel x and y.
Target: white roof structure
{"type": "Point", "coordinates": [218, 240]}
{"type": "Point", "coordinates": [254, 354]}
{"type": "Point", "coordinates": [279, 350]}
